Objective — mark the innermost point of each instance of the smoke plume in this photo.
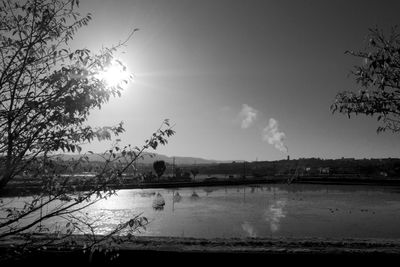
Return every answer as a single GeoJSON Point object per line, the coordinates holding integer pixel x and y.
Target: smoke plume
{"type": "Point", "coordinates": [274, 136]}
{"type": "Point", "coordinates": [247, 116]}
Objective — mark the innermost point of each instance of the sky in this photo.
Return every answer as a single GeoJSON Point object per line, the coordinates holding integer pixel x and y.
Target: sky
{"type": "Point", "coordinates": [240, 80]}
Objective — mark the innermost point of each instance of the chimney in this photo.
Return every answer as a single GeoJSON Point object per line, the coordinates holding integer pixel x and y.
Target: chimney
{"type": "Point", "coordinates": [288, 157]}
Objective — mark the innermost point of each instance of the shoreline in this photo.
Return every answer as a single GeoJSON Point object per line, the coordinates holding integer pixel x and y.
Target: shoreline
{"type": "Point", "coordinates": [18, 190]}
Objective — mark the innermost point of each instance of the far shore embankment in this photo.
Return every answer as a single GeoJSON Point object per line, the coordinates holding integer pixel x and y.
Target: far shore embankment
{"type": "Point", "coordinates": [26, 189]}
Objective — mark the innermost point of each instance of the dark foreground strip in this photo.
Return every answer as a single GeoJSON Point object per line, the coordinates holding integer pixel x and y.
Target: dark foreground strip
{"type": "Point", "coordinates": [185, 250]}
{"type": "Point", "coordinates": [145, 257]}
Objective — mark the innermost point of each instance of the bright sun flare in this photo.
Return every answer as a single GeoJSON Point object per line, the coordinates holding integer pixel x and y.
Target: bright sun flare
{"type": "Point", "coordinates": [113, 75]}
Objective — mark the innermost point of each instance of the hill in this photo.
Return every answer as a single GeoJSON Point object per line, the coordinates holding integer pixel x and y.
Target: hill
{"type": "Point", "coordinates": [148, 159]}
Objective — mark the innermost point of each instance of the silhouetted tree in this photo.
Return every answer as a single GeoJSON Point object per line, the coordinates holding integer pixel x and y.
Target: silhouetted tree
{"type": "Point", "coordinates": [379, 79]}
{"type": "Point", "coordinates": [159, 167]}
{"type": "Point", "coordinates": [178, 172]}
{"type": "Point", "coordinates": [194, 172]}
{"type": "Point", "coordinates": [46, 93]}
{"type": "Point", "coordinates": [47, 89]}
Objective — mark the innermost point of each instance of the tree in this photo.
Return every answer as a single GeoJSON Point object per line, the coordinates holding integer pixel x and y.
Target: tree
{"type": "Point", "coordinates": [379, 80]}
{"type": "Point", "coordinates": [194, 172]}
{"type": "Point", "coordinates": [46, 93]}
{"type": "Point", "coordinates": [159, 167]}
{"type": "Point", "coordinates": [178, 172]}
{"type": "Point", "coordinates": [47, 90]}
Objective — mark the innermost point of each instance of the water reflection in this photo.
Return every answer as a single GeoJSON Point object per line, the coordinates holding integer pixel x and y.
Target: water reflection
{"type": "Point", "coordinates": [158, 208]}
{"type": "Point", "coordinates": [208, 190]}
{"type": "Point", "coordinates": [274, 214]}
{"type": "Point", "coordinates": [177, 198]}
{"type": "Point", "coordinates": [158, 202]}
{"type": "Point", "coordinates": [249, 229]}
{"type": "Point", "coordinates": [147, 194]}
{"type": "Point", "coordinates": [194, 196]}
{"type": "Point", "coordinates": [282, 210]}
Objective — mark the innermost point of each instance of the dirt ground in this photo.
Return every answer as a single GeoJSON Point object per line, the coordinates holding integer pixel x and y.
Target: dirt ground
{"type": "Point", "coordinates": [157, 248]}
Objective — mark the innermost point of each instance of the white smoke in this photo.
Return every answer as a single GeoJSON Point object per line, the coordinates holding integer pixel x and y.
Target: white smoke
{"type": "Point", "coordinates": [247, 116]}
{"type": "Point", "coordinates": [274, 136]}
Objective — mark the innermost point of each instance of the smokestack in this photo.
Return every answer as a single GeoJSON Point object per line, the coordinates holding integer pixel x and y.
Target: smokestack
{"type": "Point", "coordinates": [288, 157]}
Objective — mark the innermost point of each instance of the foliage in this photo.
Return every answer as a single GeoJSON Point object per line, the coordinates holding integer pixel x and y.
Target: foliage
{"type": "Point", "coordinates": [47, 89]}
{"type": "Point", "coordinates": [46, 93]}
{"type": "Point", "coordinates": [379, 79]}
{"type": "Point", "coordinates": [194, 172]}
{"type": "Point", "coordinates": [159, 167]}
{"type": "Point", "coordinates": [178, 172]}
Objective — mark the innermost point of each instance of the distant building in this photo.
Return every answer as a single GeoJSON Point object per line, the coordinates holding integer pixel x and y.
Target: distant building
{"type": "Point", "coordinates": [323, 170]}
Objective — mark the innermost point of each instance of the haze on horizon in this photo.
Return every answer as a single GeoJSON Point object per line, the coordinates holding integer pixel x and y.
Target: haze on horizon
{"type": "Point", "coordinates": [240, 79]}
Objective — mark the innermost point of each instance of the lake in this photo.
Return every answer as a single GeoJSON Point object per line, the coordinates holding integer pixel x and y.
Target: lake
{"type": "Point", "coordinates": [295, 210]}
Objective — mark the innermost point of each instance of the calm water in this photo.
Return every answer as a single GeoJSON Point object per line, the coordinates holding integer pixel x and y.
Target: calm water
{"type": "Point", "coordinates": [260, 211]}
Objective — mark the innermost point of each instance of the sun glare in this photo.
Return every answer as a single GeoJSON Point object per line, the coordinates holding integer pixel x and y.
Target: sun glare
{"type": "Point", "coordinates": [114, 75]}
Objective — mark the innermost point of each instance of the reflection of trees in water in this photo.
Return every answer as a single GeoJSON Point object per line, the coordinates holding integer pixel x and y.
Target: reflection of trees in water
{"type": "Point", "coordinates": [267, 188]}
{"type": "Point", "coordinates": [158, 202]}
{"type": "Point", "coordinates": [208, 190]}
{"type": "Point", "coordinates": [177, 197]}
{"type": "Point", "coordinates": [303, 188]}
{"type": "Point", "coordinates": [158, 208]}
{"type": "Point", "coordinates": [147, 194]}
{"type": "Point", "coordinates": [194, 196]}
{"type": "Point", "coordinates": [275, 213]}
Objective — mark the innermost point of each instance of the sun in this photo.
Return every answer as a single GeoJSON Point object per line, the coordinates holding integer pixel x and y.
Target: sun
{"type": "Point", "coordinates": [114, 75]}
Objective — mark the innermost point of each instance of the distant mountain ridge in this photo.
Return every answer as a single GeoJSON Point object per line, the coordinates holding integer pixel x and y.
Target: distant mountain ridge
{"type": "Point", "coordinates": [149, 160]}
